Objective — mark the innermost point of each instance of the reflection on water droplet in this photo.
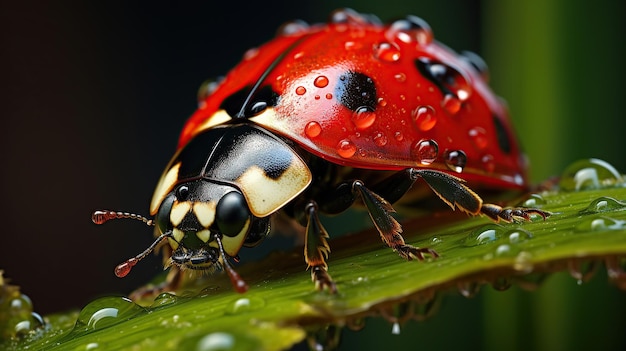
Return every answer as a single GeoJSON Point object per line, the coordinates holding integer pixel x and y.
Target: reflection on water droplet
{"type": "Point", "coordinates": [604, 204]}
{"type": "Point", "coordinates": [478, 135]}
{"type": "Point", "coordinates": [164, 299]}
{"type": "Point", "coordinates": [456, 160]}
{"type": "Point", "coordinates": [468, 289]}
{"type": "Point", "coordinates": [486, 234]}
{"type": "Point", "coordinates": [346, 148]}
{"type": "Point", "coordinates": [451, 103]}
{"type": "Point", "coordinates": [105, 312]}
{"type": "Point", "coordinates": [321, 81]}
{"type": "Point", "coordinates": [425, 151]}
{"type": "Point", "coordinates": [312, 129]}
{"type": "Point", "coordinates": [600, 223]}
{"type": "Point", "coordinates": [395, 328]}
{"type": "Point", "coordinates": [244, 304]}
{"type": "Point", "coordinates": [363, 117]}
{"type": "Point", "coordinates": [523, 262]}
{"type": "Point", "coordinates": [380, 139]}
{"type": "Point", "coordinates": [387, 52]}
{"type": "Point", "coordinates": [517, 236]}
{"type": "Point", "coordinates": [589, 174]}
{"type": "Point", "coordinates": [424, 117]}
{"type": "Point", "coordinates": [216, 341]}
{"type": "Point", "coordinates": [534, 200]}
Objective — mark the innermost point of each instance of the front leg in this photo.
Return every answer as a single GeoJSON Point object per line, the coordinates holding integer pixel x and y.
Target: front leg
{"type": "Point", "coordinates": [316, 249]}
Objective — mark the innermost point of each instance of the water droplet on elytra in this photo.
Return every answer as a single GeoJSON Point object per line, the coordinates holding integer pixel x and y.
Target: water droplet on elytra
{"type": "Point", "coordinates": [398, 136]}
{"type": "Point", "coordinates": [425, 151]}
{"type": "Point", "coordinates": [589, 174]}
{"type": "Point", "coordinates": [604, 204]}
{"type": "Point", "coordinates": [456, 160]}
{"type": "Point", "coordinates": [451, 103]}
{"type": "Point", "coordinates": [416, 28]}
{"type": "Point", "coordinates": [300, 90]}
{"type": "Point", "coordinates": [400, 77]}
{"type": "Point", "coordinates": [380, 139]}
{"type": "Point", "coordinates": [424, 117]}
{"type": "Point", "coordinates": [346, 148]}
{"type": "Point", "coordinates": [387, 52]}
{"type": "Point", "coordinates": [478, 135]}
{"type": "Point", "coordinates": [329, 96]}
{"type": "Point", "coordinates": [363, 117]}
{"type": "Point", "coordinates": [292, 28]}
{"type": "Point", "coordinates": [320, 81]}
{"type": "Point", "coordinates": [312, 129]}
{"type": "Point", "coordinates": [488, 162]}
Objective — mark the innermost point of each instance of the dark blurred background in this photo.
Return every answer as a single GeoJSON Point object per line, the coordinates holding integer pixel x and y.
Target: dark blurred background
{"type": "Point", "coordinates": [94, 95]}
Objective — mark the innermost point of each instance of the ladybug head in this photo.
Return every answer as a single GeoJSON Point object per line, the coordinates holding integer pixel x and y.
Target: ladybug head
{"type": "Point", "coordinates": [205, 223]}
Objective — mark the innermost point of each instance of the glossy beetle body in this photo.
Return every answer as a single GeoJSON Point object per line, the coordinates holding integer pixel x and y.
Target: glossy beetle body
{"type": "Point", "coordinates": [324, 116]}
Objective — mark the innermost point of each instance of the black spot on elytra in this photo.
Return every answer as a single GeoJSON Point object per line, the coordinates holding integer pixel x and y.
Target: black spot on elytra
{"type": "Point", "coordinates": [241, 105]}
{"type": "Point", "coordinates": [438, 73]}
{"type": "Point", "coordinates": [355, 90]}
{"type": "Point", "coordinates": [503, 135]}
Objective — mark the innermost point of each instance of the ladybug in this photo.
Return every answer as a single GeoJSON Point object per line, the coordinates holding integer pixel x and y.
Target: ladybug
{"type": "Point", "coordinates": [318, 119]}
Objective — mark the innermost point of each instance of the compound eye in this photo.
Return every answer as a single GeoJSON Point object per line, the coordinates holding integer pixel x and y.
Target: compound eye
{"type": "Point", "coordinates": [163, 216]}
{"type": "Point", "coordinates": [232, 214]}
{"type": "Point", "coordinates": [182, 193]}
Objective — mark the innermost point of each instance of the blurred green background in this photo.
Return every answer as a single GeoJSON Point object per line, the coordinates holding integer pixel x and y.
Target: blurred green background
{"type": "Point", "coordinates": [94, 94]}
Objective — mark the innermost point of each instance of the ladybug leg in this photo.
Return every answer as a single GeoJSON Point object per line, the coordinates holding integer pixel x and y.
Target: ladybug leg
{"type": "Point", "coordinates": [316, 249]}
{"type": "Point", "coordinates": [457, 195]}
{"type": "Point", "coordinates": [380, 211]}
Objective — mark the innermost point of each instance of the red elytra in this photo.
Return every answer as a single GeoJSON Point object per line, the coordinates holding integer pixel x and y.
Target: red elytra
{"type": "Point", "coordinates": [432, 107]}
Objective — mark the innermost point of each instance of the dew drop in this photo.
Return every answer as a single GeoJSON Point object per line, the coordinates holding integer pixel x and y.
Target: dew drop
{"type": "Point", "coordinates": [598, 224]}
{"type": "Point", "coordinates": [346, 148]}
{"type": "Point", "coordinates": [534, 200]}
{"type": "Point", "coordinates": [164, 299]}
{"type": "Point", "coordinates": [382, 102]}
{"type": "Point", "coordinates": [604, 204]}
{"type": "Point", "coordinates": [216, 341]}
{"type": "Point", "coordinates": [207, 88]}
{"type": "Point", "coordinates": [478, 135]}
{"type": "Point", "coordinates": [320, 81]}
{"type": "Point", "coordinates": [380, 139]}
{"type": "Point", "coordinates": [300, 90]}
{"type": "Point", "coordinates": [398, 136]}
{"type": "Point", "coordinates": [451, 103]}
{"type": "Point", "coordinates": [244, 305]}
{"type": "Point", "coordinates": [523, 262]}
{"type": "Point", "coordinates": [517, 236]}
{"type": "Point", "coordinates": [416, 28]}
{"type": "Point", "coordinates": [425, 151]}
{"type": "Point", "coordinates": [456, 160]}
{"type": "Point", "coordinates": [386, 52]}
{"type": "Point", "coordinates": [292, 28]}
{"type": "Point", "coordinates": [105, 312]}
{"type": "Point", "coordinates": [329, 96]}
{"type": "Point", "coordinates": [468, 289]}
{"type": "Point", "coordinates": [589, 174]}
{"type": "Point", "coordinates": [484, 235]}
{"type": "Point", "coordinates": [312, 129]}
{"type": "Point", "coordinates": [424, 117]}
{"type": "Point", "coordinates": [363, 117]}
{"type": "Point", "coordinates": [317, 97]}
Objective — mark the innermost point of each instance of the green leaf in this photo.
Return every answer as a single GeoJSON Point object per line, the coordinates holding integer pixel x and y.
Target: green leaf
{"type": "Point", "coordinates": [587, 227]}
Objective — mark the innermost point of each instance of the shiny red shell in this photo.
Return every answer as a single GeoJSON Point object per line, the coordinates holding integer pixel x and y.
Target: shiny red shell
{"type": "Point", "coordinates": [432, 108]}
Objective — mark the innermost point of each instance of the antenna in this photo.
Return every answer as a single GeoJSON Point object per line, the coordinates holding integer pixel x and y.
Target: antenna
{"type": "Point", "coordinates": [103, 216]}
